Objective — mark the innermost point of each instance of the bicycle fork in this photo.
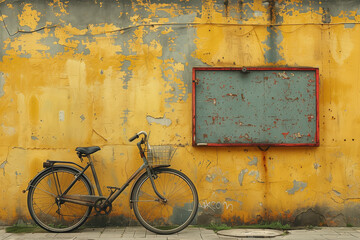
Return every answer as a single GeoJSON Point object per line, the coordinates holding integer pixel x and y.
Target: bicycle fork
{"type": "Point", "coordinates": [150, 172]}
{"type": "Point", "coordinates": [162, 198]}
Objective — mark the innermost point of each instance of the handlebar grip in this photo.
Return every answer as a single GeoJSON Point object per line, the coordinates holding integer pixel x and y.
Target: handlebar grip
{"type": "Point", "coordinates": [133, 138]}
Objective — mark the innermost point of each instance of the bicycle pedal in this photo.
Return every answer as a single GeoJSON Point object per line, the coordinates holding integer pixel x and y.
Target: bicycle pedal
{"type": "Point", "coordinates": [111, 188]}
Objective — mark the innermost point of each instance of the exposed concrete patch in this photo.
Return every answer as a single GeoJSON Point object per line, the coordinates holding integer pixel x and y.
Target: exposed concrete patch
{"type": "Point", "coordinates": [255, 174]}
{"type": "Point", "coordinates": [225, 180]}
{"type": "Point", "coordinates": [216, 173]}
{"type": "Point", "coordinates": [2, 166]}
{"type": "Point", "coordinates": [10, 131]}
{"type": "Point", "coordinates": [233, 200]}
{"type": "Point", "coordinates": [34, 138]}
{"type": "Point", "coordinates": [241, 176]}
{"type": "Point", "coordinates": [127, 76]}
{"type": "Point", "coordinates": [61, 116]}
{"type": "Point", "coordinates": [316, 165]}
{"type": "Point", "coordinates": [298, 186]}
{"type": "Point", "coordinates": [258, 13]}
{"type": "Point", "coordinates": [253, 162]}
{"type": "Point", "coordinates": [2, 83]}
{"type": "Point", "coordinates": [349, 25]}
{"type": "Point", "coordinates": [273, 43]}
{"type": "Point", "coordinates": [162, 121]}
{"type": "Point", "coordinates": [209, 178]}
{"type": "Point", "coordinates": [221, 190]}
{"type": "Point", "coordinates": [329, 178]}
{"type": "Point", "coordinates": [326, 17]}
{"type": "Point", "coordinates": [125, 117]}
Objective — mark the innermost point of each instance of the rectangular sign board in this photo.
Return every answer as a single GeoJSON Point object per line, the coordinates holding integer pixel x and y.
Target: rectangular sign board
{"type": "Point", "coordinates": [255, 107]}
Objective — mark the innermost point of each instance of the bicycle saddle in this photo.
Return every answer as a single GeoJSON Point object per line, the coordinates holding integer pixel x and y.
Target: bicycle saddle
{"type": "Point", "coordinates": [87, 150]}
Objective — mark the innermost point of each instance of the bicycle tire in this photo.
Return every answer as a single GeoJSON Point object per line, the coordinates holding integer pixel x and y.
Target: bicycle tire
{"type": "Point", "coordinates": [42, 203]}
{"type": "Point", "coordinates": [174, 215]}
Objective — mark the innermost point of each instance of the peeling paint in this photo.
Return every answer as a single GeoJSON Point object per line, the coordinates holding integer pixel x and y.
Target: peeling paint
{"type": "Point", "coordinates": [61, 116]}
{"type": "Point", "coordinates": [241, 176]}
{"type": "Point", "coordinates": [125, 117]}
{"type": "Point", "coordinates": [2, 83]}
{"type": "Point", "coordinates": [29, 17]}
{"type": "Point", "coordinates": [329, 178]}
{"type": "Point", "coordinates": [9, 131]}
{"type": "Point", "coordinates": [253, 161]}
{"type": "Point", "coordinates": [255, 174]}
{"type": "Point", "coordinates": [326, 17]}
{"type": "Point", "coordinates": [221, 190]}
{"type": "Point", "coordinates": [298, 186]}
{"type": "Point", "coordinates": [2, 166]}
{"type": "Point", "coordinates": [273, 46]}
{"type": "Point", "coordinates": [209, 178]}
{"type": "Point", "coordinates": [225, 180]}
{"type": "Point", "coordinates": [316, 165]}
{"type": "Point", "coordinates": [162, 120]}
{"type": "Point", "coordinates": [233, 200]}
{"type": "Point", "coordinates": [349, 25]}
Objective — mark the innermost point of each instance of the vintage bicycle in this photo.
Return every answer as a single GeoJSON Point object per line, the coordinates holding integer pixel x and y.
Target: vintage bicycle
{"type": "Point", "coordinates": [164, 200]}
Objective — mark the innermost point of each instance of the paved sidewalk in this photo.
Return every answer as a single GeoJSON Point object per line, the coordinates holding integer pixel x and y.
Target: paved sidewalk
{"type": "Point", "coordinates": [139, 233]}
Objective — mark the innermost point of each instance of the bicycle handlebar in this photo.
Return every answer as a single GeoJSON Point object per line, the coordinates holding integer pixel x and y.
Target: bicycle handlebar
{"type": "Point", "coordinates": [138, 135]}
{"type": "Point", "coordinates": [133, 138]}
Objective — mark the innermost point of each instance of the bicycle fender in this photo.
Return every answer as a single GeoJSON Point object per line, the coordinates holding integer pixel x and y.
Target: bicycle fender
{"type": "Point", "coordinates": [131, 198]}
{"type": "Point", "coordinates": [54, 167]}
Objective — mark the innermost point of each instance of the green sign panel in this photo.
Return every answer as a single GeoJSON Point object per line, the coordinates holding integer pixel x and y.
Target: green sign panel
{"type": "Point", "coordinates": [255, 106]}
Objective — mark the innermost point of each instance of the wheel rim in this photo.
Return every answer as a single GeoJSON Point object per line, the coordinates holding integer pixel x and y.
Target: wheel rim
{"type": "Point", "coordinates": [170, 216]}
{"type": "Point", "coordinates": [45, 202]}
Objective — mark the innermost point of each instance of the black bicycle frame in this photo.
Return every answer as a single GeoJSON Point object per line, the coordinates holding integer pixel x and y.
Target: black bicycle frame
{"type": "Point", "coordinates": [89, 200]}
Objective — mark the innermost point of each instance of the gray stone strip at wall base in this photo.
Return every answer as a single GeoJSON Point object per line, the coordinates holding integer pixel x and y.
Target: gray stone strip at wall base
{"type": "Point", "coordinates": [138, 233]}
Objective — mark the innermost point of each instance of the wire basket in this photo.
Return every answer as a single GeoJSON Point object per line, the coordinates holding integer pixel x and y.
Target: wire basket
{"type": "Point", "coordinates": [160, 155]}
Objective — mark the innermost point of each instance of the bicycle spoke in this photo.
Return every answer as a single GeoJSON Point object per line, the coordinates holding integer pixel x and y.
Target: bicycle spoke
{"type": "Point", "coordinates": [55, 214]}
{"type": "Point", "coordinates": [159, 216]}
{"type": "Point", "coordinates": [47, 192]}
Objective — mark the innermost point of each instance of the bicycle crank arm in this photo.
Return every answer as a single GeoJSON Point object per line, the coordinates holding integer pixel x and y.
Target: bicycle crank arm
{"type": "Point", "coordinates": [86, 200]}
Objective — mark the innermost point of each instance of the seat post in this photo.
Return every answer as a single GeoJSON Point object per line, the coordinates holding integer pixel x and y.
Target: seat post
{"type": "Point", "coordinates": [94, 174]}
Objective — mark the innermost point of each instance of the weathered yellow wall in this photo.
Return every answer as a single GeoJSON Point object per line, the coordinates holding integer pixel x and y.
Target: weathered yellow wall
{"type": "Point", "coordinates": [96, 72]}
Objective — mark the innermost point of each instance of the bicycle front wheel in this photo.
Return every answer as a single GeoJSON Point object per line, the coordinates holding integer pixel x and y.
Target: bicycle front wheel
{"type": "Point", "coordinates": [172, 215]}
{"type": "Point", "coordinates": [48, 210]}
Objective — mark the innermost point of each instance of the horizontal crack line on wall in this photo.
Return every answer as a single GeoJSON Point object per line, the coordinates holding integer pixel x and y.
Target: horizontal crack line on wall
{"type": "Point", "coordinates": [184, 24]}
{"type": "Point", "coordinates": [32, 31]}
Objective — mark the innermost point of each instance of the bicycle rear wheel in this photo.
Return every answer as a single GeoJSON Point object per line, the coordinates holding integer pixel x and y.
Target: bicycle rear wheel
{"type": "Point", "coordinates": [165, 217]}
{"type": "Point", "coordinates": [51, 213]}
